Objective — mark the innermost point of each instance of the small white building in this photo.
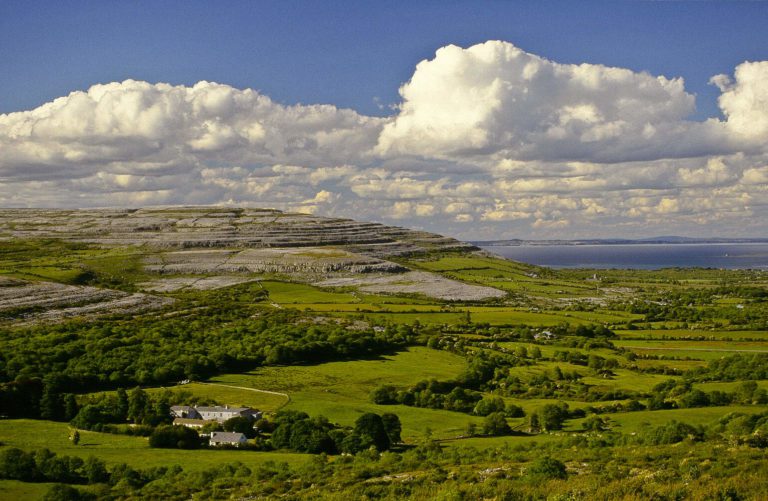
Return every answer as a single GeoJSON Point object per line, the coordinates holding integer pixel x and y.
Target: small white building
{"type": "Point", "coordinates": [219, 438]}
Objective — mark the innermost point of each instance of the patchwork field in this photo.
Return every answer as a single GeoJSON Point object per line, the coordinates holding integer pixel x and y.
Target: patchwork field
{"type": "Point", "coordinates": [486, 362]}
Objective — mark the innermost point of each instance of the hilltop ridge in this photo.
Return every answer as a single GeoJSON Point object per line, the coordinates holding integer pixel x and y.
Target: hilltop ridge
{"type": "Point", "coordinates": [202, 227]}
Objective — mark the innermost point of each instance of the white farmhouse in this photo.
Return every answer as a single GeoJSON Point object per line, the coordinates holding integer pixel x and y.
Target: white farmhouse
{"type": "Point", "coordinates": [223, 413]}
{"type": "Point", "coordinates": [184, 412]}
{"type": "Point", "coordinates": [219, 438]}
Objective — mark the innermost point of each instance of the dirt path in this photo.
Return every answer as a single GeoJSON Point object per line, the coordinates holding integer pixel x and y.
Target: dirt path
{"type": "Point", "coordinates": [284, 395]}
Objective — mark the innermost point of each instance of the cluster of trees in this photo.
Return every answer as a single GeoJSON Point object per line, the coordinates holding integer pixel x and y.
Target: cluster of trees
{"type": "Point", "coordinates": [551, 417]}
{"type": "Point", "coordinates": [700, 305]}
{"type": "Point", "coordinates": [174, 437]}
{"type": "Point", "coordinates": [736, 367]}
{"type": "Point", "coordinates": [45, 466]}
{"type": "Point", "coordinates": [448, 395]}
{"type": "Point", "coordinates": [584, 331]}
{"type": "Point", "coordinates": [137, 407]}
{"type": "Point", "coordinates": [206, 339]}
{"type": "Point", "coordinates": [297, 431]}
{"type": "Point", "coordinates": [431, 394]}
{"type": "Point", "coordinates": [33, 397]}
{"type": "Point", "coordinates": [681, 393]}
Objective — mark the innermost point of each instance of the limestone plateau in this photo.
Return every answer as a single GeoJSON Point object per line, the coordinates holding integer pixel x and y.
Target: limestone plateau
{"type": "Point", "coordinates": [207, 248]}
{"type": "Point", "coordinates": [200, 227]}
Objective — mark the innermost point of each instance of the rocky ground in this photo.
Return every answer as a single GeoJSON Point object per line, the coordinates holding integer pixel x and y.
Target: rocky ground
{"type": "Point", "coordinates": [50, 301]}
{"type": "Point", "coordinates": [201, 227]}
{"type": "Point", "coordinates": [207, 248]}
{"type": "Point", "coordinates": [416, 282]}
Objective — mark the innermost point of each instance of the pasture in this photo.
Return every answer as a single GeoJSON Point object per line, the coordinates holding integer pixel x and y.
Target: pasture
{"type": "Point", "coordinates": [135, 451]}
{"type": "Point", "coordinates": [341, 390]}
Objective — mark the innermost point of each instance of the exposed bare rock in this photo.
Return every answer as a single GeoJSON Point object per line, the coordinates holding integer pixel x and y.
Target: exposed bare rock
{"type": "Point", "coordinates": [416, 282]}
{"type": "Point", "coordinates": [291, 261]}
{"type": "Point", "coordinates": [37, 301]}
{"type": "Point", "coordinates": [195, 283]}
{"type": "Point", "coordinates": [225, 241]}
{"type": "Point", "coordinates": [201, 227]}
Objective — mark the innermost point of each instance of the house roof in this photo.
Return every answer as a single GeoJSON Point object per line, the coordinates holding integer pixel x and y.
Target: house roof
{"type": "Point", "coordinates": [225, 436]}
{"type": "Point", "coordinates": [219, 408]}
{"type": "Point", "coordinates": [182, 408]}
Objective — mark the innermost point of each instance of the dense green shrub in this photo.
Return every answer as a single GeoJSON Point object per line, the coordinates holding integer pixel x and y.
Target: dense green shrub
{"type": "Point", "coordinates": [174, 437]}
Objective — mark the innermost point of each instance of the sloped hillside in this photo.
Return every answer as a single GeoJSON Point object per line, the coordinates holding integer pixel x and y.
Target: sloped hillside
{"type": "Point", "coordinates": [175, 248]}
{"type": "Point", "coordinates": [194, 227]}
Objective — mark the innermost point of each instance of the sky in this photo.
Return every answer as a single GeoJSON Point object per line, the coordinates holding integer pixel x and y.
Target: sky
{"type": "Point", "coordinates": [480, 120]}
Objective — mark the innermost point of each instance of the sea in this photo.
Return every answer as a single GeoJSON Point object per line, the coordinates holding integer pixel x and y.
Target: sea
{"type": "Point", "coordinates": [640, 256]}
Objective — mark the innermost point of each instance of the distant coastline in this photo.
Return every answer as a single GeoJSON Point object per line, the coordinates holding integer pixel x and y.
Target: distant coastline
{"type": "Point", "coordinates": [666, 240]}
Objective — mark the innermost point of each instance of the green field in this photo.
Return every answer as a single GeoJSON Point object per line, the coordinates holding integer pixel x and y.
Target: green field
{"type": "Point", "coordinates": [341, 390]}
{"type": "Point", "coordinates": [692, 334]}
{"type": "Point", "coordinates": [134, 451]}
{"type": "Point", "coordinates": [629, 422]}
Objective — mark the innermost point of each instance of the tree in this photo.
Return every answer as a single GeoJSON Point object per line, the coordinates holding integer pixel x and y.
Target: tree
{"type": "Point", "coordinates": [51, 404]}
{"type": "Point", "coordinates": [514, 411]}
{"type": "Point", "coordinates": [74, 436]}
{"type": "Point", "coordinates": [121, 410]}
{"type": "Point", "coordinates": [88, 417]}
{"type": "Point", "coordinates": [595, 423]}
{"type": "Point", "coordinates": [496, 424]}
{"type": "Point", "coordinates": [137, 405]}
{"type": "Point", "coordinates": [70, 407]}
{"type": "Point", "coordinates": [240, 424]}
{"type": "Point", "coordinates": [174, 437]}
{"type": "Point", "coordinates": [16, 464]}
{"type": "Point", "coordinates": [384, 395]}
{"type": "Point", "coordinates": [534, 426]}
{"type": "Point", "coordinates": [552, 416]}
{"type": "Point", "coordinates": [392, 426]}
{"type": "Point", "coordinates": [370, 428]}
{"type": "Point", "coordinates": [694, 398]}
{"type": "Point", "coordinates": [63, 492]}
{"type": "Point", "coordinates": [95, 470]}
{"type": "Point", "coordinates": [488, 405]}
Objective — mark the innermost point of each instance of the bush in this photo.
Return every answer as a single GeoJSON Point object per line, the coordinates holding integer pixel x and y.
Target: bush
{"type": "Point", "coordinates": [63, 492]}
{"type": "Point", "coordinates": [15, 464]}
{"type": "Point", "coordinates": [496, 424]}
{"type": "Point", "coordinates": [174, 437]}
{"type": "Point", "coordinates": [370, 427]}
{"type": "Point", "coordinates": [547, 467]}
{"type": "Point", "coordinates": [384, 395]}
{"type": "Point", "coordinates": [240, 424]}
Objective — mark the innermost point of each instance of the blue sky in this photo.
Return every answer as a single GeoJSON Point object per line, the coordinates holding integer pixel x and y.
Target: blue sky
{"type": "Point", "coordinates": [476, 119]}
{"type": "Point", "coordinates": [349, 53]}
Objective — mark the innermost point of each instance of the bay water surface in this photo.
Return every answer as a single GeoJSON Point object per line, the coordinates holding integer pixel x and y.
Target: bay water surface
{"type": "Point", "coordinates": [640, 256]}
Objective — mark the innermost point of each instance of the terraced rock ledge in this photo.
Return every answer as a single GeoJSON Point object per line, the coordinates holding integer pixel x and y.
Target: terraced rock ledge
{"type": "Point", "coordinates": [200, 227]}
{"type": "Point", "coordinates": [212, 247]}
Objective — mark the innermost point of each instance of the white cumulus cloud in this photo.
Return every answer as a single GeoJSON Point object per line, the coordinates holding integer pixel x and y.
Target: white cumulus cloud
{"type": "Point", "coordinates": [489, 141]}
